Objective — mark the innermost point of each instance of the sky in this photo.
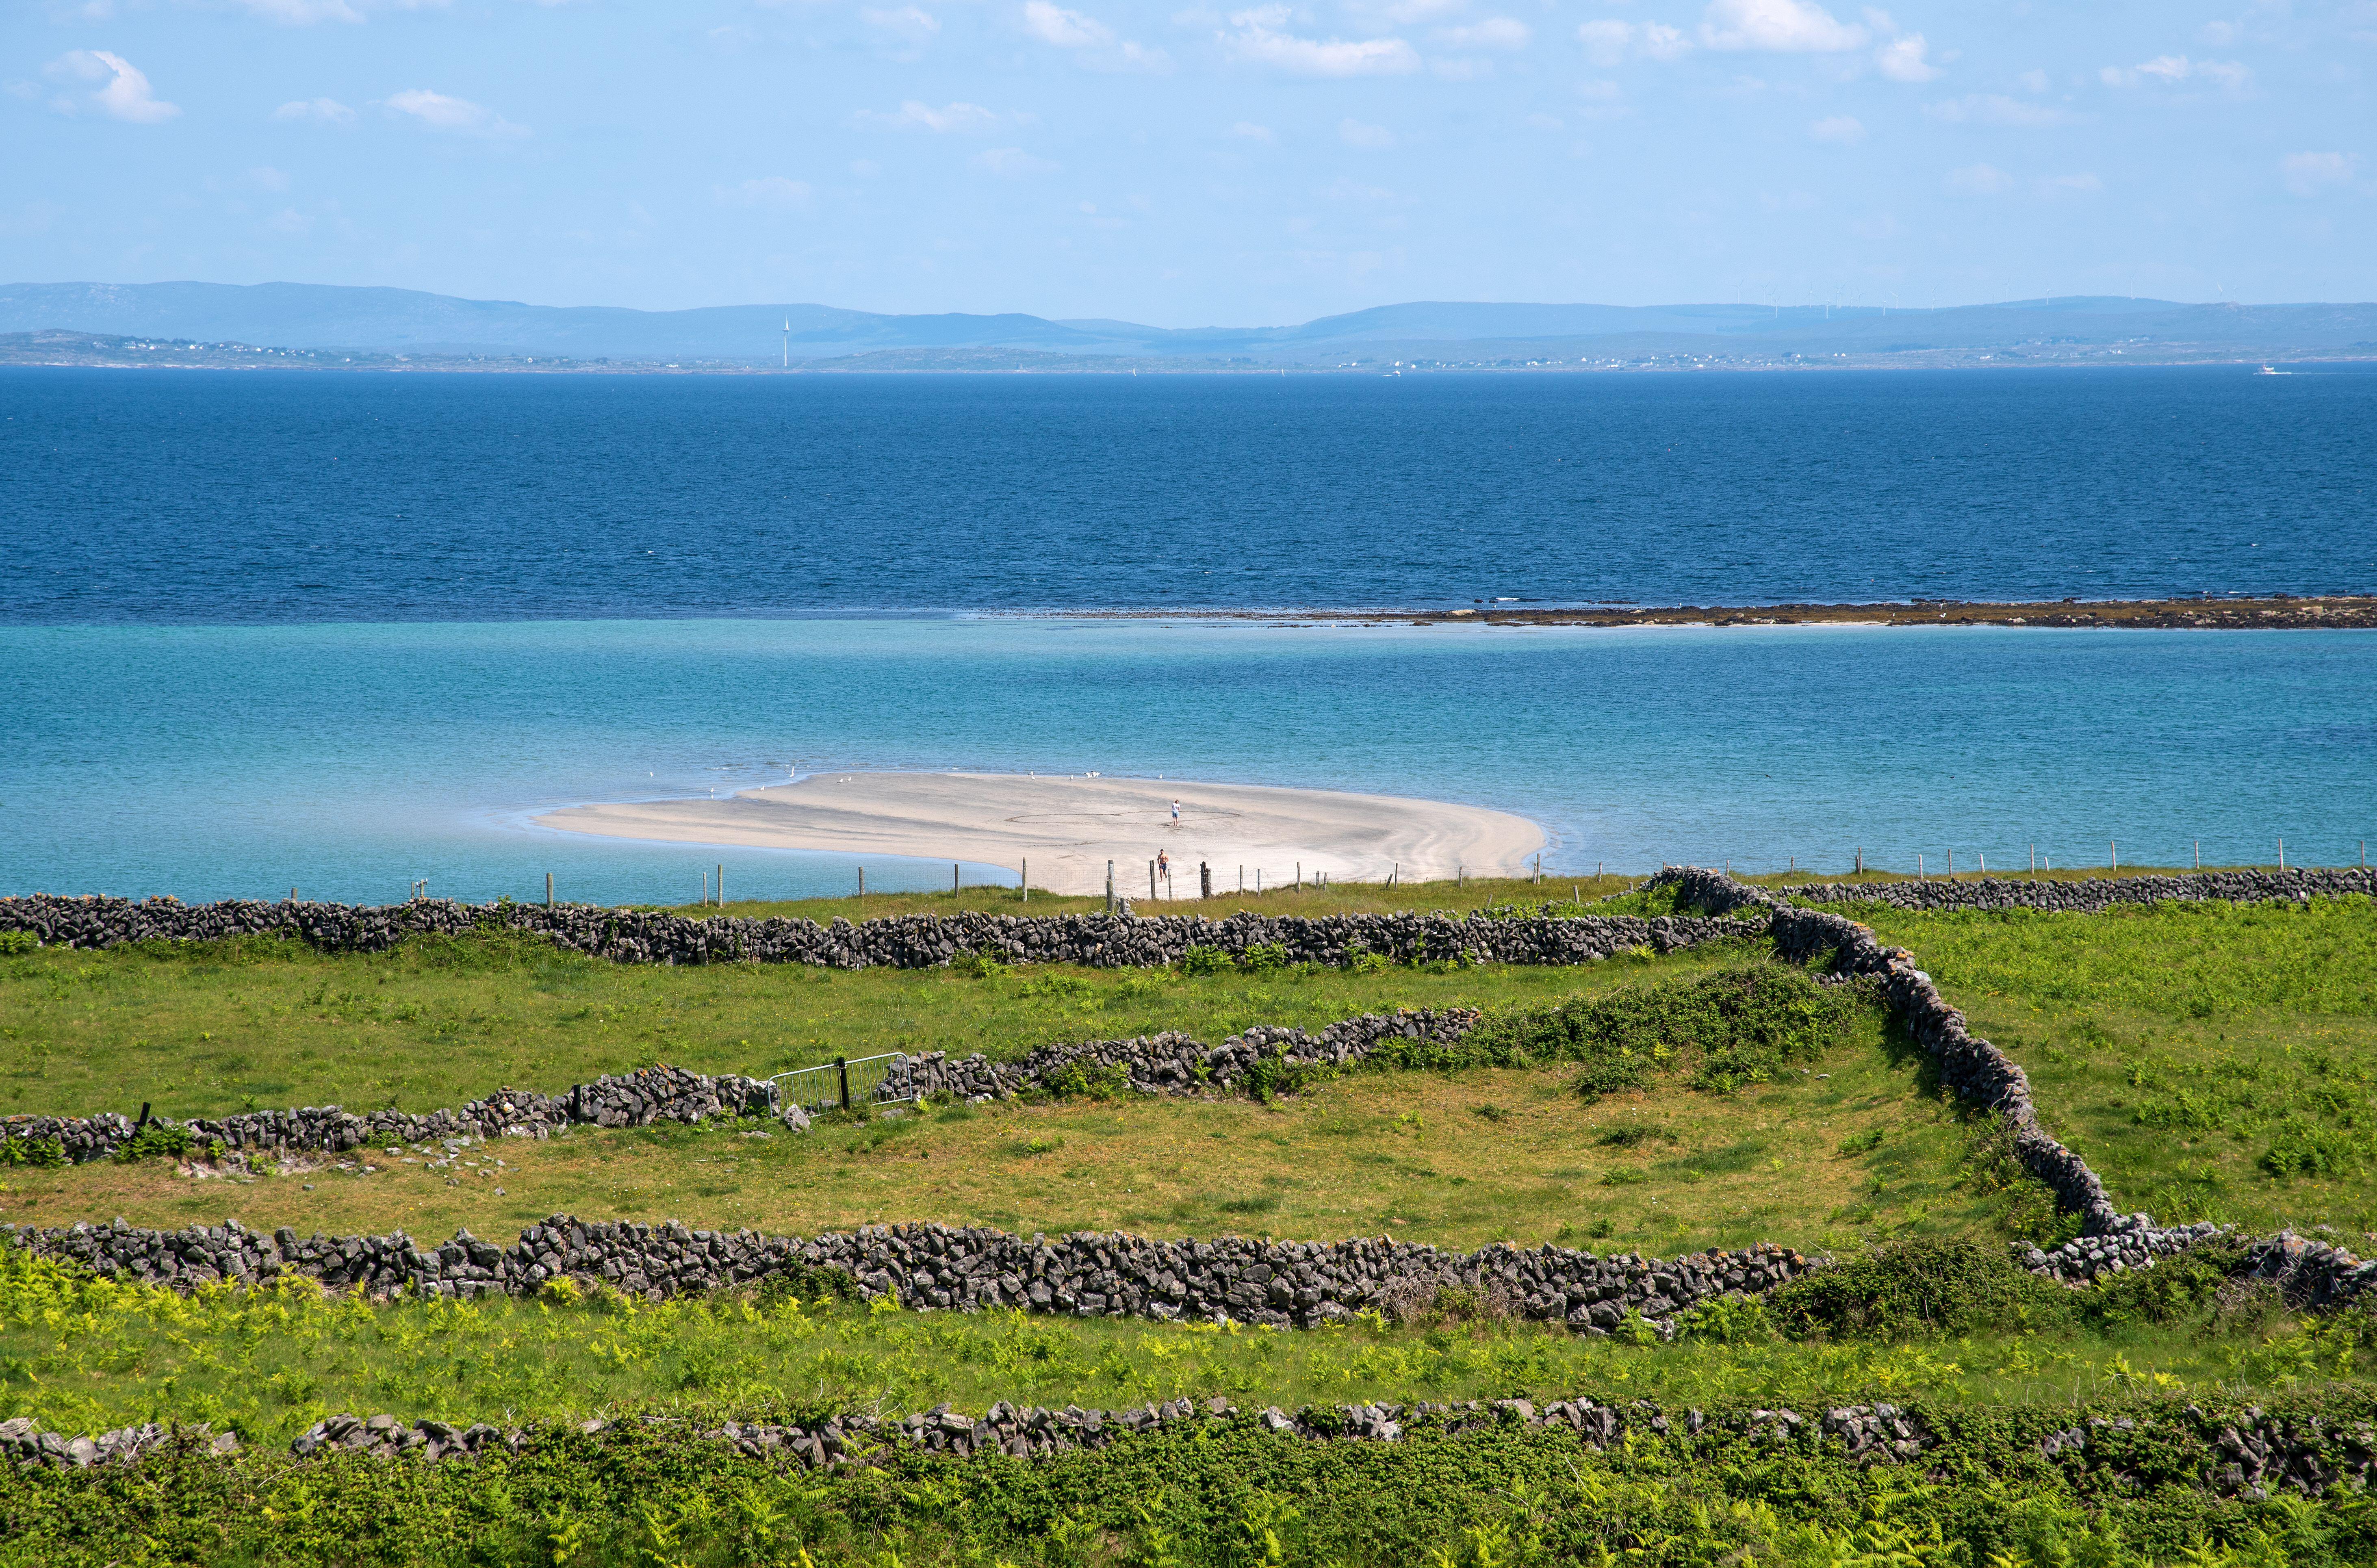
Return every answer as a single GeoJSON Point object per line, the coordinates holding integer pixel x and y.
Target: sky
{"type": "Point", "coordinates": [1233, 164]}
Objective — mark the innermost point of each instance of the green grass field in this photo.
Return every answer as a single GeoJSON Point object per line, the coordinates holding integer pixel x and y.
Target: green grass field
{"type": "Point", "coordinates": [206, 1029]}
{"type": "Point", "coordinates": [2211, 1062]}
{"type": "Point", "coordinates": [2207, 1061]}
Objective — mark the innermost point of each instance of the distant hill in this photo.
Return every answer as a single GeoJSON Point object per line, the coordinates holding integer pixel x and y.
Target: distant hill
{"type": "Point", "coordinates": [375, 320]}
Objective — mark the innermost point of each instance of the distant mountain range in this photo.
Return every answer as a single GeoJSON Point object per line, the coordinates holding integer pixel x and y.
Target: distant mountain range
{"type": "Point", "coordinates": [403, 321]}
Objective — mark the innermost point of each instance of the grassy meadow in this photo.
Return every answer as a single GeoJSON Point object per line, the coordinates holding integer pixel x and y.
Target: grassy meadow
{"type": "Point", "coordinates": [209, 1028]}
{"type": "Point", "coordinates": [2211, 1062]}
{"type": "Point", "coordinates": [85, 1354]}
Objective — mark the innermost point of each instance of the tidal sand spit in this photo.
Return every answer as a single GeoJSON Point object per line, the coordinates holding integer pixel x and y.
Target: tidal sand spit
{"type": "Point", "coordinates": [1069, 827]}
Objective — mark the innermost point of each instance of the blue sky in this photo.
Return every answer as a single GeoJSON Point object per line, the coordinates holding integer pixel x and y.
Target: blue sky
{"type": "Point", "coordinates": [1186, 164]}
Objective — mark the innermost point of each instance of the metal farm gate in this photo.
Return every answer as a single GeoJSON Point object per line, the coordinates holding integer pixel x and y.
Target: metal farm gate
{"type": "Point", "coordinates": [846, 1083]}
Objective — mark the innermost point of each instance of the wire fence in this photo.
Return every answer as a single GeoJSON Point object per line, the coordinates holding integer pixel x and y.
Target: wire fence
{"type": "Point", "coordinates": [846, 1084]}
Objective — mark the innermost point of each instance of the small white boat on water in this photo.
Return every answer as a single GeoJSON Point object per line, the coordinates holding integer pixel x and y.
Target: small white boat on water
{"type": "Point", "coordinates": [2267, 370]}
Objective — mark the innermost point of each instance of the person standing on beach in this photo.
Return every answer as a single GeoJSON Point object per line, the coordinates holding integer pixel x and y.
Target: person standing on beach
{"type": "Point", "coordinates": [1175, 810]}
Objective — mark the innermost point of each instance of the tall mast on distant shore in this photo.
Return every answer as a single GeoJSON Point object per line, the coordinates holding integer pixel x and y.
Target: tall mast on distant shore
{"type": "Point", "coordinates": [788, 342]}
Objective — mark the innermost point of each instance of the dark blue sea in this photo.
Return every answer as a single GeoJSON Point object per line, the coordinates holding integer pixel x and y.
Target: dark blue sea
{"type": "Point", "coordinates": [198, 497]}
{"type": "Point", "coordinates": [341, 632]}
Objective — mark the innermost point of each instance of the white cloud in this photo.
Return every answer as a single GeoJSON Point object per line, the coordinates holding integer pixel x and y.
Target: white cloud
{"type": "Point", "coordinates": [1451, 68]}
{"type": "Point", "coordinates": [1369, 138]}
{"type": "Point", "coordinates": [2170, 70]}
{"type": "Point", "coordinates": [1253, 132]}
{"type": "Point", "coordinates": [1609, 42]}
{"type": "Point", "coordinates": [773, 190]}
{"type": "Point", "coordinates": [2033, 81]}
{"type": "Point", "coordinates": [1260, 39]}
{"type": "Point", "coordinates": [1089, 37]}
{"type": "Point", "coordinates": [1066, 30]}
{"type": "Point", "coordinates": [1494, 32]}
{"type": "Point", "coordinates": [2070, 185]}
{"type": "Point", "coordinates": [440, 112]}
{"type": "Point", "coordinates": [915, 25]}
{"type": "Point", "coordinates": [2316, 174]}
{"type": "Point", "coordinates": [1785, 27]}
{"type": "Point", "coordinates": [1841, 131]}
{"type": "Point", "coordinates": [301, 13]}
{"type": "Point", "coordinates": [124, 93]}
{"type": "Point", "coordinates": [1902, 59]}
{"type": "Point", "coordinates": [266, 177]}
{"type": "Point", "coordinates": [966, 119]}
{"type": "Point", "coordinates": [1980, 179]}
{"type": "Point", "coordinates": [866, 168]}
{"type": "Point", "coordinates": [1011, 162]}
{"type": "Point", "coordinates": [328, 110]}
{"type": "Point", "coordinates": [1404, 13]}
{"type": "Point", "coordinates": [1995, 108]}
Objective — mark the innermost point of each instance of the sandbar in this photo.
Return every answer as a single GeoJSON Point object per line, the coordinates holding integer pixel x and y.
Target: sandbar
{"type": "Point", "coordinates": [1068, 827]}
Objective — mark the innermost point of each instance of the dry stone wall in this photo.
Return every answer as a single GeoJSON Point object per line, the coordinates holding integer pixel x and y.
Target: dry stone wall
{"type": "Point", "coordinates": [2098, 893]}
{"type": "Point", "coordinates": [1864, 1433]}
{"type": "Point", "coordinates": [912, 942]}
{"type": "Point", "coordinates": [1172, 1063]}
{"type": "Point", "coordinates": [630, 1099]}
{"type": "Point", "coordinates": [938, 1267]}
{"type": "Point", "coordinates": [1163, 1064]}
{"type": "Point", "coordinates": [2249, 1453]}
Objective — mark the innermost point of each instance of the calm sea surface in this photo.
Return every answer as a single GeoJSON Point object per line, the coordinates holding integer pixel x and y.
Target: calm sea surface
{"type": "Point", "coordinates": [348, 760]}
{"type": "Point", "coordinates": [199, 497]}
{"type": "Point", "coordinates": [344, 632]}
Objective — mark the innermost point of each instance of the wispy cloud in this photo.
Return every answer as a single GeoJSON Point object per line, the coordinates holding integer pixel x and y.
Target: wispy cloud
{"type": "Point", "coordinates": [912, 23]}
{"type": "Point", "coordinates": [1090, 40]}
{"type": "Point", "coordinates": [2070, 185]}
{"type": "Point", "coordinates": [2318, 173]}
{"type": "Point", "coordinates": [1011, 162]}
{"type": "Point", "coordinates": [1902, 59]}
{"type": "Point", "coordinates": [1785, 27]}
{"type": "Point", "coordinates": [1995, 108]}
{"type": "Point", "coordinates": [1066, 30]}
{"type": "Point", "coordinates": [1980, 179]}
{"type": "Point", "coordinates": [1368, 137]}
{"type": "Point", "coordinates": [457, 115]}
{"type": "Point", "coordinates": [963, 119]}
{"type": "Point", "coordinates": [1608, 41]}
{"type": "Point", "coordinates": [124, 93]}
{"type": "Point", "coordinates": [302, 13]}
{"type": "Point", "coordinates": [1494, 32]}
{"type": "Point", "coordinates": [771, 190]}
{"type": "Point", "coordinates": [2171, 71]}
{"type": "Point", "coordinates": [1261, 38]}
{"type": "Point", "coordinates": [327, 111]}
{"type": "Point", "coordinates": [1841, 131]}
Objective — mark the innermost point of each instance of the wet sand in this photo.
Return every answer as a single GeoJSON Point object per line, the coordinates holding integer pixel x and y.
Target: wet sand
{"type": "Point", "coordinates": [1069, 827]}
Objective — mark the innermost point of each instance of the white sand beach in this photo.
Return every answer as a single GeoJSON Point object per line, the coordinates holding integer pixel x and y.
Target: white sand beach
{"type": "Point", "coordinates": [1069, 827]}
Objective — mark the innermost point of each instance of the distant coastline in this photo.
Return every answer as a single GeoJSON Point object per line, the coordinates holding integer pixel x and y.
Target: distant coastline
{"type": "Point", "coordinates": [2264, 612]}
{"type": "Point", "coordinates": [95, 350]}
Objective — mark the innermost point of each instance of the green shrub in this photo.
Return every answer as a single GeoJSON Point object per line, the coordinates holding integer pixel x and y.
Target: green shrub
{"type": "Point", "coordinates": [977, 966]}
{"type": "Point", "coordinates": [13, 942]}
{"type": "Point", "coordinates": [1205, 961]}
{"type": "Point", "coordinates": [2175, 1288]}
{"type": "Point", "coordinates": [1920, 1286]}
{"type": "Point", "coordinates": [1076, 1082]}
{"type": "Point", "coordinates": [1263, 958]}
{"type": "Point", "coordinates": [44, 1152]}
{"type": "Point", "coordinates": [1728, 1027]}
{"type": "Point", "coordinates": [155, 1138]}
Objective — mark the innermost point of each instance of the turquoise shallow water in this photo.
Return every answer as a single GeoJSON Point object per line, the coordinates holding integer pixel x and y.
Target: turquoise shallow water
{"type": "Point", "coordinates": [350, 760]}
